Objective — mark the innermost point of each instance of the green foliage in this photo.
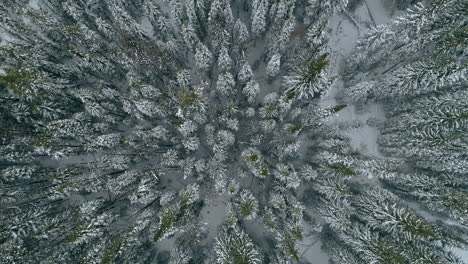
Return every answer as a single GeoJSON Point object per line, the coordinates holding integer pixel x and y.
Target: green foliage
{"type": "Point", "coordinates": [264, 171]}
{"type": "Point", "coordinates": [459, 38]}
{"type": "Point", "coordinates": [338, 108]}
{"type": "Point", "coordinates": [388, 254]}
{"type": "Point", "coordinates": [234, 246]}
{"type": "Point", "coordinates": [220, 20]}
{"type": "Point", "coordinates": [288, 245]}
{"type": "Point", "coordinates": [188, 98]}
{"type": "Point", "coordinates": [17, 79]}
{"type": "Point", "coordinates": [111, 250]}
{"type": "Point", "coordinates": [342, 169]}
{"type": "Point", "coordinates": [253, 157]}
{"type": "Point", "coordinates": [43, 140]}
{"type": "Point", "coordinates": [189, 195]}
{"type": "Point", "coordinates": [314, 67]}
{"type": "Point", "coordinates": [246, 208]}
{"type": "Point", "coordinates": [418, 227]}
{"type": "Point", "coordinates": [73, 236]}
{"type": "Point", "coordinates": [270, 109]}
{"type": "Point", "coordinates": [297, 233]}
{"type": "Point", "coordinates": [74, 31]}
{"type": "Point", "coordinates": [176, 122]}
{"type": "Point", "coordinates": [291, 95]}
{"type": "Point", "coordinates": [63, 187]}
{"type": "Point", "coordinates": [247, 205]}
{"type": "Point", "coordinates": [167, 221]}
{"type": "Point", "coordinates": [296, 128]}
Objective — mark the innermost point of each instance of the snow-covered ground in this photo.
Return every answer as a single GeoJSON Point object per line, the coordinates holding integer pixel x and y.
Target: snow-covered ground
{"type": "Point", "coordinates": [462, 253]}
{"type": "Point", "coordinates": [345, 31]}
{"type": "Point", "coordinates": [34, 4]}
{"type": "Point", "coordinates": [215, 212]}
{"type": "Point", "coordinates": [4, 38]}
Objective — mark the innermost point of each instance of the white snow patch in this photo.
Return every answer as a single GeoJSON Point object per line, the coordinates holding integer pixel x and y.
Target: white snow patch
{"type": "Point", "coordinates": [313, 252]}
{"type": "Point", "coordinates": [377, 11]}
{"type": "Point", "coordinates": [343, 37]}
{"type": "Point", "coordinates": [167, 244]}
{"type": "Point", "coordinates": [5, 38]}
{"type": "Point", "coordinates": [365, 137]}
{"type": "Point", "coordinates": [462, 253]}
{"type": "Point", "coordinates": [34, 4]}
{"type": "Point", "coordinates": [214, 213]}
{"type": "Point", "coordinates": [147, 26]}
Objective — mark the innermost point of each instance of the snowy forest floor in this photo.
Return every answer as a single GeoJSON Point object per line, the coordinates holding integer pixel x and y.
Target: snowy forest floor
{"type": "Point", "coordinates": [345, 29]}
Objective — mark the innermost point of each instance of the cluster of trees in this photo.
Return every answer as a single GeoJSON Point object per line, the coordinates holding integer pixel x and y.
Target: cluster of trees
{"type": "Point", "coordinates": [120, 120]}
{"type": "Point", "coordinates": [417, 68]}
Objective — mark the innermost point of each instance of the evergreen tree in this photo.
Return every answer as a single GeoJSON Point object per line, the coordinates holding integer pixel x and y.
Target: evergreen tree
{"type": "Point", "coordinates": [423, 93]}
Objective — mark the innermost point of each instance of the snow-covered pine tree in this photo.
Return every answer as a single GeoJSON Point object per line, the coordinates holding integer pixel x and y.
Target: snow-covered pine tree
{"type": "Point", "coordinates": [316, 8]}
{"type": "Point", "coordinates": [422, 81]}
{"type": "Point", "coordinates": [364, 223]}
{"type": "Point", "coordinates": [419, 75]}
{"type": "Point", "coordinates": [259, 18]}
{"type": "Point", "coordinates": [273, 66]}
{"type": "Point", "coordinates": [233, 245]}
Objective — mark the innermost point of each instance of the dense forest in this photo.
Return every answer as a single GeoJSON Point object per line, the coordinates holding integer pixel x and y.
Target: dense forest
{"type": "Point", "coordinates": [202, 131]}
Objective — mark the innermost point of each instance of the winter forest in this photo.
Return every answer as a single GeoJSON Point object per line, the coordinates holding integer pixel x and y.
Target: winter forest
{"type": "Point", "coordinates": [234, 131]}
